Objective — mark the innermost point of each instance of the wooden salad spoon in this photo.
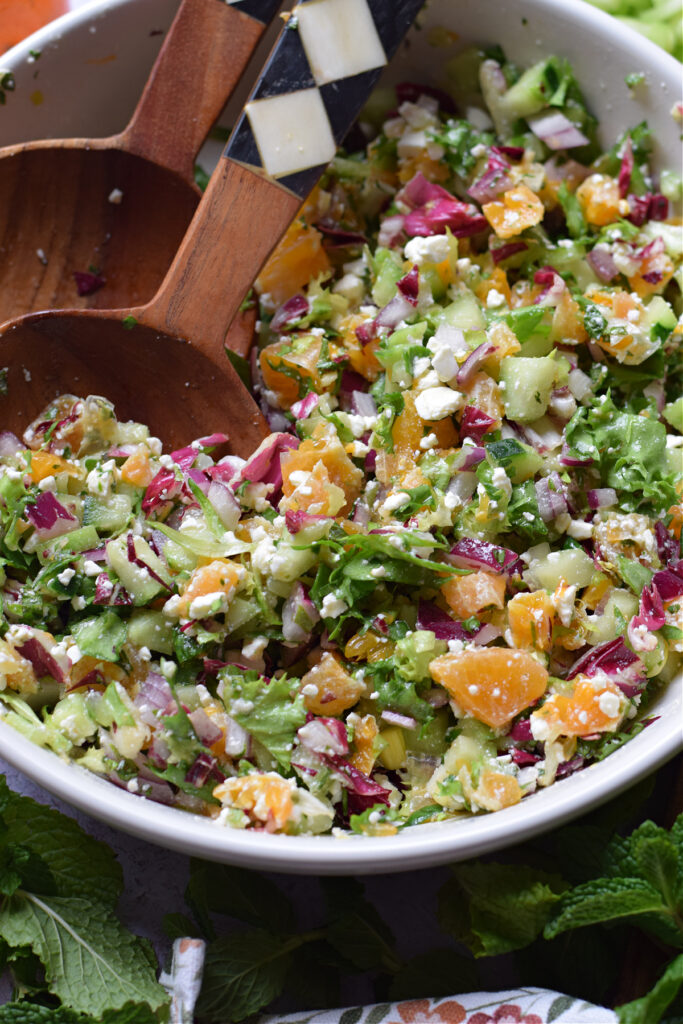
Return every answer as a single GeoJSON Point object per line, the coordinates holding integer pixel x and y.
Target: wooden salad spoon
{"type": "Point", "coordinates": [113, 211]}
{"type": "Point", "coordinates": [164, 362]}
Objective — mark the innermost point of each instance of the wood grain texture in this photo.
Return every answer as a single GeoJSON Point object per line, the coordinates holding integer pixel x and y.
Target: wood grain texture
{"type": "Point", "coordinates": [55, 213]}
{"type": "Point", "coordinates": [149, 377]}
{"type": "Point", "coordinates": [241, 218]}
{"type": "Point", "coordinates": [204, 54]}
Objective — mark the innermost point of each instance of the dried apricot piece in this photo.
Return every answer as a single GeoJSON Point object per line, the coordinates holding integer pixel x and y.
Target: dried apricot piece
{"type": "Point", "coordinates": [596, 705]}
{"type": "Point", "coordinates": [600, 200]}
{"type": "Point", "coordinates": [364, 734]}
{"type": "Point", "coordinates": [467, 595]}
{"type": "Point", "coordinates": [336, 689]}
{"type": "Point", "coordinates": [531, 620]}
{"type": "Point", "coordinates": [484, 393]}
{"type": "Point", "coordinates": [328, 449]}
{"type": "Point", "coordinates": [518, 209]}
{"type": "Point", "coordinates": [44, 464]}
{"type": "Point", "coordinates": [137, 470]}
{"type": "Point", "coordinates": [284, 361]}
{"type": "Point", "coordinates": [493, 684]}
{"type": "Point", "coordinates": [265, 796]}
{"type": "Point", "coordinates": [409, 428]}
{"type": "Point", "coordinates": [299, 257]}
{"type": "Point", "coordinates": [216, 580]}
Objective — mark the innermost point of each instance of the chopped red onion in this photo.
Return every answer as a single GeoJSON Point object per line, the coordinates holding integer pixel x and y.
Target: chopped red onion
{"type": "Point", "coordinates": [472, 456]}
{"type": "Point", "coordinates": [134, 559]}
{"type": "Point", "coordinates": [470, 553]}
{"type": "Point", "coordinates": [404, 721]}
{"type": "Point", "coordinates": [602, 263]}
{"type": "Point", "coordinates": [49, 517]}
{"type": "Point", "coordinates": [363, 404]}
{"type": "Point", "coordinates": [601, 497]}
{"type": "Point", "coordinates": [324, 736]}
{"type": "Point", "coordinates": [493, 181]}
{"type": "Point", "coordinates": [556, 130]}
{"type": "Point", "coordinates": [487, 634]}
{"type": "Point", "coordinates": [391, 231]}
{"type": "Point", "coordinates": [569, 767]}
{"type": "Point", "coordinates": [300, 519]}
{"type": "Point", "coordinates": [225, 504]}
{"type": "Point", "coordinates": [109, 593]}
{"type": "Point", "coordinates": [363, 791]}
{"type": "Point", "coordinates": [437, 697]}
{"type": "Point", "coordinates": [473, 362]}
{"type": "Point", "coordinates": [204, 767]}
{"type": "Point", "coordinates": [10, 444]}
{"type": "Point", "coordinates": [264, 464]}
{"type": "Point", "coordinates": [553, 288]}
{"type": "Point", "coordinates": [43, 662]}
{"type": "Point", "coordinates": [513, 152]}
{"type": "Point", "coordinates": [294, 309]}
{"type": "Point", "coordinates": [579, 384]}
{"type": "Point", "coordinates": [550, 496]}
{"type": "Point", "coordinates": [638, 207]}
{"type": "Point", "coordinates": [207, 731]}
{"type": "Point", "coordinates": [463, 485]}
{"type": "Point", "coordinates": [503, 252]}
{"type": "Point", "coordinates": [626, 169]}
{"type": "Point", "coordinates": [463, 219]}
{"type": "Point", "coordinates": [396, 310]}
{"type": "Point", "coordinates": [409, 285]}
{"type": "Point", "coordinates": [156, 692]}
{"type": "Point", "coordinates": [475, 423]}
{"type": "Point", "coordinates": [87, 283]}
{"type": "Point", "coordinates": [299, 615]}
{"type": "Point", "coordinates": [612, 657]}
{"type": "Point", "coordinates": [302, 410]}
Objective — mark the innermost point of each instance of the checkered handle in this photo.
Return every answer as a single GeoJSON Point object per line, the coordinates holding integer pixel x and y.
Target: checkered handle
{"type": "Point", "coordinates": [260, 10]}
{"type": "Point", "coordinates": [315, 83]}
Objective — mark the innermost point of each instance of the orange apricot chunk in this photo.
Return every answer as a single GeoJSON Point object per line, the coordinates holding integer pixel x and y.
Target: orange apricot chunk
{"type": "Point", "coordinates": [567, 320]}
{"type": "Point", "coordinates": [596, 705]}
{"type": "Point", "coordinates": [496, 281]}
{"type": "Point", "coordinates": [497, 790]}
{"type": "Point", "coordinates": [218, 579]}
{"type": "Point", "coordinates": [265, 796]}
{"type": "Point", "coordinates": [328, 449]}
{"type": "Point", "coordinates": [484, 393]}
{"type": "Point", "coordinates": [336, 689]}
{"type": "Point", "coordinates": [299, 257]}
{"type": "Point", "coordinates": [653, 275]}
{"type": "Point", "coordinates": [364, 733]}
{"type": "Point", "coordinates": [518, 209]}
{"type": "Point", "coordinates": [137, 469]}
{"type": "Point", "coordinates": [531, 619]}
{"type": "Point", "coordinates": [409, 428]}
{"type": "Point", "coordinates": [467, 595]}
{"type": "Point", "coordinates": [493, 684]}
{"type": "Point", "coordinates": [95, 673]}
{"type": "Point", "coordinates": [505, 342]}
{"type": "Point", "coordinates": [600, 200]}
{"type": "Point", "coordinates": [297, 355]}
{"type": "Point", "coordinates": [44, 464]}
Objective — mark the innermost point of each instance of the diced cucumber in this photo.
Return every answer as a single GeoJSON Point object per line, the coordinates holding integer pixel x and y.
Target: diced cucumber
{"type": "Point", "coordinates": [148, 628]}
{"type": "Point", "coordinates": [82, 539]}
{"type": "Point", "coordinates": [240, 612]}
{"type": "Point", "coordinates": [465, 312]}
{"type": "Point", "coordinates": [604, 627]}
{"type": "Point", "coordinates": [430, 738]}
{"type": "Point", "coordinates": [388, 268]}
{"type": "Point", "coordinates": [573, 566]}
{"type": "Point", "coordinates": [107, 515]}
{"type": "Point", "coordinates": [520, 461]}
{"type": "Point", "coordinates": [528, 385]}
{"type": "Point", "coordinates": [179, 558]}
{"type": "Point", "coordinates": [659, 318]}
{"type": "Point", "coordinates": [137, 581]}
{"type": "Point", "coordinates": [70, 716]}
{"type": "Point", "coordinates": [529, 94]}
{"type": "Point", "coordinates": [474, 745]}
{"type": "Point", "coordinates": [673, 413]}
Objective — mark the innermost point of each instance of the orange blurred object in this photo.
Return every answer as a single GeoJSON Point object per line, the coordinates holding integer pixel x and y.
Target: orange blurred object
{"type": "Point", "coordinates": [19, 18]}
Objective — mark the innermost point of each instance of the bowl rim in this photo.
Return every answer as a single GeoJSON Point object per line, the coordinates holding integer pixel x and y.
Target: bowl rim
{"type": "Point", "coordinates": [430, 844]}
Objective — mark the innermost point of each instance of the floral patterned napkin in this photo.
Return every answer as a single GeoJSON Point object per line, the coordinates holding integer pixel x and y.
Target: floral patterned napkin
{"type": "Point", "coordinates": [519, 1006]}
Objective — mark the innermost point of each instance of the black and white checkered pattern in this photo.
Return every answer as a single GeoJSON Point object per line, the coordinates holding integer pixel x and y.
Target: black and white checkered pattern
{"type": "Point", "coordinates": [260, 10]}
{"type": "Point", "coordinates": [314, 85]}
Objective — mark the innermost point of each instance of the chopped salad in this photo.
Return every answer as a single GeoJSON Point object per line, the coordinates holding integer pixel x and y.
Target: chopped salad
{"type": "Point", "coordinates": [452, 573]}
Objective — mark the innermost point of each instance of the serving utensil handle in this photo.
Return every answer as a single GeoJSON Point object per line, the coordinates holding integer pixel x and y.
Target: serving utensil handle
{"type": "Point", "coordinates": [317, 78]}
{"type": "Point", "coordinates": [201, 61]}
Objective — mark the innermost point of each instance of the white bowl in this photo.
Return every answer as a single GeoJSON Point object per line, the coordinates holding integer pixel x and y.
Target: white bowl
{"type": "Point", "coordinates": [83, 93]}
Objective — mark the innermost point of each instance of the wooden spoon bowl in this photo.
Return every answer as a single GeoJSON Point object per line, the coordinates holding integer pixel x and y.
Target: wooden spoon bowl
{"type": "Point", "coordinates": [57, 212]}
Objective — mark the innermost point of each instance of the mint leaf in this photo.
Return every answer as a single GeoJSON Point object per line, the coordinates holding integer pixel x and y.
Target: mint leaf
{"type": "Point", "coordinates": [652, 1006]}
{"type": "Point", "coordinates": [507, 905]}
{"type": "Point", "coordinates": [361, 940]}
{"type": "Point", "coordinates": [605, 899]}
{"type": "Point", "coordinates": [91, 962]}
{"type": "Point", "coordinates": [657, 859]}
{"type": "Point", "coordinates": [65, 859]}
{"type": "Point", "coordinates": [29, 1013]}
{"type": "Point", "coordinates": [244, 895]}
{"type": "Point", "coordinates": [243, 973]}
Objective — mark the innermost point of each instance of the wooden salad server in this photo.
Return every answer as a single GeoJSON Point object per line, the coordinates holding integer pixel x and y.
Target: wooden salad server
{"type": "Point", "coordinates": [115, 210]}
{"type": "Point", "coordinates": [165, 362]}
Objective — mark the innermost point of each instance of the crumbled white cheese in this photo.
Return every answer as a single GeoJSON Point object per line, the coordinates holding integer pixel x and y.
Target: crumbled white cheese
{"type": "Point", "coordinates": [437, 403]}
{"type": "Point", "coordinates": [433, 249]}
{"type": "Point", "coordinates": [494, 299]}
{"type": "Point", "coordinates": [65, 577]}
{"type": "Point", "coordinates": [445, 363]}
{"type": "Point", "coordinates": [501, 481]}
{"type": "Point", "coordinates": [580, 530]}
{"type": "Point", "coordinates": [395, 501]}
{"type": "Point", "coordinates": [609, 704]}
{"type": "Point", "coordinates": [115, 196]}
